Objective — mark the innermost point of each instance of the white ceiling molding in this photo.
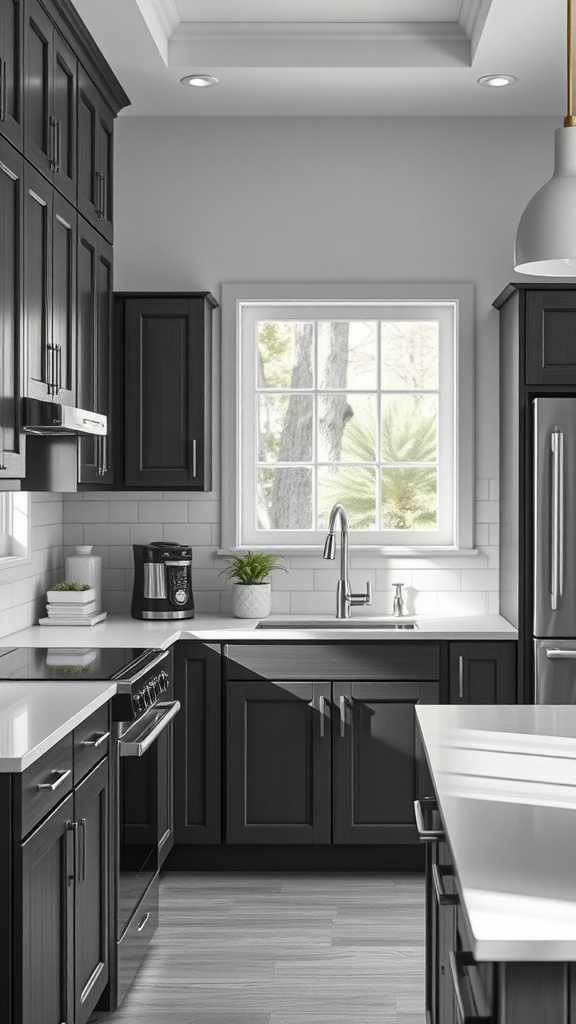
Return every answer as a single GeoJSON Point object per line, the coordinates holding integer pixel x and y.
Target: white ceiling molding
{"type": "Point", "coordinates": [162, 19]}
{"type": "Point", "coordinates": [320, 45]}
{"type": "Point", "coordinates": [473, 19]}
{"type": "Point", "coordinates": [318, 10]}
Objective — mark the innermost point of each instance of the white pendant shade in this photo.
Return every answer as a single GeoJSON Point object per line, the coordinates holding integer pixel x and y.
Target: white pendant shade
{"type": "Point", "coordinates": [546, 239]}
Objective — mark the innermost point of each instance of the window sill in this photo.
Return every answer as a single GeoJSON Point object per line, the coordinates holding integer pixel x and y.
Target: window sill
{"type": "Point", "coordinates": [304, 551]}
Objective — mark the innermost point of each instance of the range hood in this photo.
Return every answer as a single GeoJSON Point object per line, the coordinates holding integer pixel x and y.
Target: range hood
{"type": "Point", "coordinates": [53, 420]}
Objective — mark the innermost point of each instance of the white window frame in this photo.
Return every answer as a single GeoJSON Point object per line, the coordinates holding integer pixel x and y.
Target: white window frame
{"type": "Point", "coordinates": [238, 301]}
{"type": "Point", "coordinates": [15, 527]}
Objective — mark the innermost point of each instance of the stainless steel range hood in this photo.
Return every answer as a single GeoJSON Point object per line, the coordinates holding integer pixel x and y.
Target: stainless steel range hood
{"type": "Point", "coordinates": [53, 420]}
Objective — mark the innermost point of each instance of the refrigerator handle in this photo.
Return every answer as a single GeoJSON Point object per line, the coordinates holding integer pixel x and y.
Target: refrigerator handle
{"type": "Point", "coordinates": [557, 567]}
{"type": "Point", "coordinates": [552, 653]}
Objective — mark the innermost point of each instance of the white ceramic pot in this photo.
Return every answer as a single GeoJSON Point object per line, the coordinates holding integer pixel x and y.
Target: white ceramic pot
{"type": "Point", "coordinates": [251, 600]}
{"type": "Point", "coordinates": [71, 596]}
{"type": "Point", "coordinates": [85, 567]}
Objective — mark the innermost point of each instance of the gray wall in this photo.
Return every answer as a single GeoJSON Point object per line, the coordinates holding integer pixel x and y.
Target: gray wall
{"type": "Point", "coordinates": [200, 201]}
{"type": "Point", "coordinates": [23, 586]}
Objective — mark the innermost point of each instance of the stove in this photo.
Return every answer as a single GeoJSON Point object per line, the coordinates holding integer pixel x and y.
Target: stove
{"type": "Point", "coordinates": [140, 673]}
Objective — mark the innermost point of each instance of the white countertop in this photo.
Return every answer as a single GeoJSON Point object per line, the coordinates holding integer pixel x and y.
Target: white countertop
{"type": "Point", "coordinates": [505, 778]}
{"type": "Point", "coordinates": [124, 631]}
{"type": "Point", "coordinates": [34, 716]}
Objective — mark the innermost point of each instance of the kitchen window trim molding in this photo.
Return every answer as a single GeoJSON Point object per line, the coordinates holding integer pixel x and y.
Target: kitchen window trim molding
{"type": "Point", "coordinates": [234, 295]}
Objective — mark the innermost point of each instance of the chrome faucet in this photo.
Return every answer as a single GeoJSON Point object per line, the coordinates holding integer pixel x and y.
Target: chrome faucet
{"type": "Point", "coordinates": [398, 606]}
{"type": "Point", "coordinates": [344, 596]}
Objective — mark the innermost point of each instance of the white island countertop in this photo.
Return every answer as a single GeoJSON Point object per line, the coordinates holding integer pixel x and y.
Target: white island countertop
{"type": "Point", "coordinates": [34, 716]}
{"type": "Point", "coordinates": [505, 778]}
{"type": "Point", "coordinates": [124, 631]}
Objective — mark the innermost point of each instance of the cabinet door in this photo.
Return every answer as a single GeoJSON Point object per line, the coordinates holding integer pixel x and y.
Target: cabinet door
{"type": "Point", "coordinates": [379, 768]}
{"type": "Point", "coordinates": [44, 888]}
{"type": "Point", "coordinates": [91, 912]}
{"type": "Point", "coordinates": [39, 133]}
{"type": "Point", "coordinates": [11, 70]}
{"type": "Point", "coordinates": [278, 762]}
{"type": "Point", "coordinates": [165, 399]}
{"type": "Point", "coordinates": [93, 347]}
{"type": "Point", "coordinates": [64, 232]}
{"type": "Point", "coordinates": [40, 374]}
{"type": "Point", "coordinates": [197, 744]}
{"type": "Point", "coordinates": [11, 221]}
{"type": "Point", "coordinates": [64, 78]}
{"type": "Point", "coordinates": [483, 673]}
{"type": "Point", "coordinates": [550, 329]}
{"type": "Point", "coordinates": [95, 156]}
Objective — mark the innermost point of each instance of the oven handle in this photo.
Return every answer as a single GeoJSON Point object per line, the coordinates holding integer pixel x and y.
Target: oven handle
{"type": "Point", "coordinates": [148, 668]}
{"type": "Point", "coordinates": [139, 746]}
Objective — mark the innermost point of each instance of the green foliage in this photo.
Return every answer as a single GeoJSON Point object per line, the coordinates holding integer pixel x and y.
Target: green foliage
{"type": "Point", "coordinates": [69, 585]}
{"type": "Point", "coordinates": [251, 567]}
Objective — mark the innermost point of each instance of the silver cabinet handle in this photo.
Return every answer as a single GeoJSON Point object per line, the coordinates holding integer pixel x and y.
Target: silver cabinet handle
{"type": "Point", "coordinates": [322, 711]}
{"type": "Point", "coordinates": [4, 92]}
{"type": "Point", "coordinates": [143, 922]}
{"type": "Point", "coordinates": [62, 775]}
{"type": "Point", "coordinates": [82, 836]}
{"type": "Point", "coordinates": [72, 869]}
{"type": "Point", "coordinates": [52, 145]}
{"type": "Point", "coordinates": [58, 368]}
{"type": "Point", "coordinates": [194, 457]}
{"type": "Point", "coordinates": [461, 677]}
{"type": "Point", "coordinates": [426, 835]}
{"type": "Point", "coordinates": [458, 961]}
{"type": "Point", "coordinates": [104, 455]}
{"type": "Point", "coordinates": [2, 89]}
{"type": "Point", "coordinates": [445, 899]}
{"type": "Point", "coordinates": [98, 454]}
{"type": "Point", "coordinates": [96, 741]}
{"type": "Point", "coordinates": [342, 702]}
{"type": "Point", "coordinates": [58, 146]}
{"type": "Point", "coordinates": [50, 375]}
{"type": "Point", "coordinates": [104, 197]}
{"type": "Point", "coordinates": [557, 567]}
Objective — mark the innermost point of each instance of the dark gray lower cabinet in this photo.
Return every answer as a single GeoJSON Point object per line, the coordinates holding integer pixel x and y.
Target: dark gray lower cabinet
{"type": "Point", "coordinates": [44, 921]}
{"type": "Point", "coordinates": [378, 768]}
{"type": "Point", "coordinates": [278, 757]}
{"type": "Point", "coordinates": [483, 672]}
{"type": "Point", "coordinates": [61, 917]}
{"type": "Point", "coordinates": [197, 743]}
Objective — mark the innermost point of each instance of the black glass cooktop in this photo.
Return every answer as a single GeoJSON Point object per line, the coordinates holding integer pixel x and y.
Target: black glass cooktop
{"type": "Point", "coordinates": [100, 663]}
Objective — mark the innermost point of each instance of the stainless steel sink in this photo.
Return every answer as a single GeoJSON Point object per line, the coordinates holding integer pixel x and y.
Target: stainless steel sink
{"type": "Point", "coordinates": [364, 622]}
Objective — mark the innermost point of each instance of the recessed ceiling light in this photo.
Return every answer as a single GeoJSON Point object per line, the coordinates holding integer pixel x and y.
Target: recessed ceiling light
{"type": "Point", "coordinates": [200, 81]}
{"type": "Point", "coordinates": [497, 81]}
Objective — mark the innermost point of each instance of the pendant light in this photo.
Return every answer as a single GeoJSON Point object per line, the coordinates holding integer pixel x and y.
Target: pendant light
{"type": "Point", "coordinates": [546, 238]}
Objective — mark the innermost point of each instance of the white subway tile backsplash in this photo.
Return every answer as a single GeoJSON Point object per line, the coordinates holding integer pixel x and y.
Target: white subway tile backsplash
{"type": "Point", "coordinates": [487, 511]}
{"type": "Point", "coordinates": [163, 512]}
{"type": "Point", "coordinates": [86, 512]}
{"type": "Point", "coordinates": [123, 511]}
{"type": "Point", "coordinates": [107, 533]}
{"type": "Point", "coordinates": [437, 579]}
{"type": "Point", "coordinates": [482, 490]}
{"type": "Point", "coordinates": [482, 534]}
{"type": "Point", "coordinates": [203, 511]}
{"type": "Point", "coordinates": [145, 533]}
{"type": "Point", "coordinates": [482, 579]}
{"type": "Point", "coordinates": [188, 533]}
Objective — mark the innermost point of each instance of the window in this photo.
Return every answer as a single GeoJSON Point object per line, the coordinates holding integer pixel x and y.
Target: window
{"type": "Point", "coordinates": [358, 399]}
{"type": "Point", "coordinates": [14, 526]}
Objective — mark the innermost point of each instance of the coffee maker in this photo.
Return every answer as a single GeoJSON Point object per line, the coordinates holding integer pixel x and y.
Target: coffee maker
{"type": "Point", "coordinates": [162, 581]}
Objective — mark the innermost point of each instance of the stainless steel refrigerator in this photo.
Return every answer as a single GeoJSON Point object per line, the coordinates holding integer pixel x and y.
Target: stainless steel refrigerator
{"type": "Point", "coordinates": [554, 599]}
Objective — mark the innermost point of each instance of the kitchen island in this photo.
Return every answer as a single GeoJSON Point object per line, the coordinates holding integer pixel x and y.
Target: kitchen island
{"type": "Point", "coordinates": [501, 883]}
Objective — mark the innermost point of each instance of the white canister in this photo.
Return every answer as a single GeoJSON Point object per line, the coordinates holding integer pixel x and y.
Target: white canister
{"type": "Point", "coordinates": [84, 567]}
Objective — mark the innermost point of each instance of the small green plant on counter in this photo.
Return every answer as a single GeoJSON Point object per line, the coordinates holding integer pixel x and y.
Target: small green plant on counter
{"type": "Point", "coordinates": [252, 567]}
{"type": "Point", "coordinates": [69, 585]}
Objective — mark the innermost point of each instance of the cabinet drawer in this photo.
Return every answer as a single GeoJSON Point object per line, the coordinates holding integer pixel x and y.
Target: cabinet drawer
{"type": "Point", "coordinates": [136, 938]}
{"type": "Point", "coordinates": [91, 742]}
{"type": "Point", "coordinates": [400, 660]}
{"type": "Point", "coordinates": [41, 786]}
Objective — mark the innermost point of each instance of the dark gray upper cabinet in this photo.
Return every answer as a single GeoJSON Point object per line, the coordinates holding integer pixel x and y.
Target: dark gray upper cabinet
{"type": "Point", "coordinates": [483, 673]}
{"type": "Point", "coordinates": [11, 254]}
{"type": "Point", "coordinates": [50, 87]}
{"type": "Point", "coordinates": [167, 344]}
{"type": "Point", "coordinates": [197, 744]}
{"type": "Point", "coordinates": [550, 329]}
{"type": "Point", "coordinates": [93, 349]}
{"type": "Point", "coordinates": [278, 762]}
{"type": "Point", "coordinates": [11, 70]}
{"type": "Point", "coordinates": [378, 768]}
{"type": "Point", "coordinates": [95, 156]}
{"type": "Point", "coordinates": [49, 292]}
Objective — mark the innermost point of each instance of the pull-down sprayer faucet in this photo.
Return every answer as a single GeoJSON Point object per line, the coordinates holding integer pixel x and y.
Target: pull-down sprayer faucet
{"type": "Point", "coordinates": [344, 596]}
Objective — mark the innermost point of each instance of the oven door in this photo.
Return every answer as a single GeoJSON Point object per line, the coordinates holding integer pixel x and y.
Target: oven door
{"type": "Point", "coordinates": [139, 813]}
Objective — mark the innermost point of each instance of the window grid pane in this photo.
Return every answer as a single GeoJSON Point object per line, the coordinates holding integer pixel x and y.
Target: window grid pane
{"type": "Point", "coordinates": [318, 468]}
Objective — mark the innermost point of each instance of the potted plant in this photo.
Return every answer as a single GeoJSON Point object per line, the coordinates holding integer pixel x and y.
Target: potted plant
{"type": "Point", "coordinates": [251, 594]}
{"type": "Point", "coordinates": [68, 592]}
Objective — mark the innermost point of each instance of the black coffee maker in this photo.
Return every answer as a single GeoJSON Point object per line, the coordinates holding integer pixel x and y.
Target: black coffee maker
{"type": "Point", "coordinates": [162, 581]}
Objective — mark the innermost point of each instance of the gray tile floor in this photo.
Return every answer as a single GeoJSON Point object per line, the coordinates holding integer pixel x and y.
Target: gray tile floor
{"type": "Point", "coordinates": [283, 949]}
